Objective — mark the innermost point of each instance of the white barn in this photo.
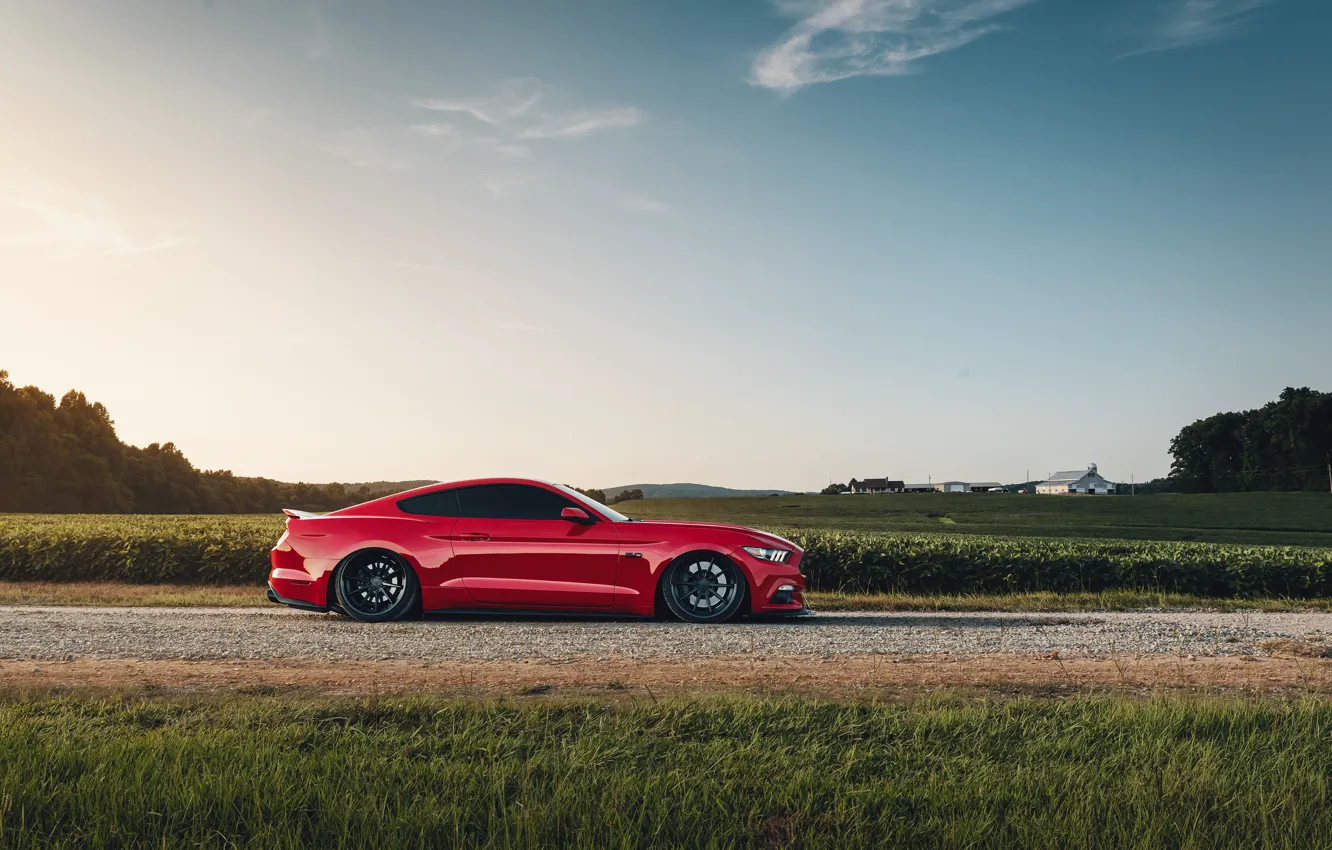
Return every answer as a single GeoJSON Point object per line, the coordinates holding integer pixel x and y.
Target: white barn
{"type": "Point", "coordinates": [1087, 481]}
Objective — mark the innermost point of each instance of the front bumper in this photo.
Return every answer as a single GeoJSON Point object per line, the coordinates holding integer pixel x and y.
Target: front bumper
{"type": "Point", "coordinates": [775, 588]}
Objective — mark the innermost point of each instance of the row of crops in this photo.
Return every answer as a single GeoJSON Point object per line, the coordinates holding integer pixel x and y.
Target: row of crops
{"type": "Point", "coordinates": [234, 550]}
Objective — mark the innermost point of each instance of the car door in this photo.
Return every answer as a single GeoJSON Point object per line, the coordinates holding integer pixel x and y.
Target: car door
{"type": "Point", "coordinates": [512, 548]}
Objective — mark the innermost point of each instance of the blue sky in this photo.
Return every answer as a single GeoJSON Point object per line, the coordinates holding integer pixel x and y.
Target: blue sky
{"type": "Point", "coordinates": [753, 243]}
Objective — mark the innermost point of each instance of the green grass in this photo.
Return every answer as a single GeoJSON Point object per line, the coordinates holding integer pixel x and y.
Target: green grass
{"type": "Point", "coordinates": [1294, 519]}
{"type": "Point", "coordinates": [741, 772]}
{"type": "Point", "coordinates": [218, 550]}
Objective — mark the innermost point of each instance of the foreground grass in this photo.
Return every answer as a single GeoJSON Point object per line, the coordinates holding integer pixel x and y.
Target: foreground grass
{"type": "Point", "coordinates": [279, 772]}
{"type": "Point", "coordinates": [247, 596]}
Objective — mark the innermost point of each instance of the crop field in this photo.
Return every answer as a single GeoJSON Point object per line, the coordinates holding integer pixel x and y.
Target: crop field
{"type": "Point", "coordinates": [290, 771]}
{"type": "Point", "coordinates": [234, 550]}
{"type": "Point", "coordinates": [1294, 519]}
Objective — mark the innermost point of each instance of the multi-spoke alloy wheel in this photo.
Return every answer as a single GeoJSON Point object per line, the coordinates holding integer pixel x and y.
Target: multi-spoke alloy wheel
{"type": "Point", "coordinates": [375, 586]}
{"type": "Point", "coordinates": [704, 588]}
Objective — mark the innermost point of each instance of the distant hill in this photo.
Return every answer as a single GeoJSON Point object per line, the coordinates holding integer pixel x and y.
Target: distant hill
{"type": "Point", "coordinates": [689, 491]}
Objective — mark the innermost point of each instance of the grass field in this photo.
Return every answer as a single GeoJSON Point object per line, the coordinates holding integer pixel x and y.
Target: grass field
{"type": "Point", "coordinates": [221, 550]}
{"type": "Point", "coordinates": [1102, 771]}
{"type": "Point", "coordinates": [1292, 519]}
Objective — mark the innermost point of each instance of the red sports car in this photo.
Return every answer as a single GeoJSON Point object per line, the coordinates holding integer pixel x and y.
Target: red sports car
{"type": "Point", "coordinates": [518, 544]}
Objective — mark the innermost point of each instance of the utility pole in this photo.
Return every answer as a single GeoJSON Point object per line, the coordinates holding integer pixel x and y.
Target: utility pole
{"type": "Point", "coordinates": [1133, 487]}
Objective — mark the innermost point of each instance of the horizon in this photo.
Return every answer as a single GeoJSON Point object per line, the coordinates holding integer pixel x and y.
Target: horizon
{"type": "Point", "coordinates": [769, 242]}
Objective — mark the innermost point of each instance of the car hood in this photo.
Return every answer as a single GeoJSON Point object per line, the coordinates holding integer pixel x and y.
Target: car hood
{"type": "Point", "coordinates": [743, 535]}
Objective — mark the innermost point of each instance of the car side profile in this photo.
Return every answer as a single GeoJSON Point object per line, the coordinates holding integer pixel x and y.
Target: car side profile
{"type": "Point", "coordinates": [526, 545]}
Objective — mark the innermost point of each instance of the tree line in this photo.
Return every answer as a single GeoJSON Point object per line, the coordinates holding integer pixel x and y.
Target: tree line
{"type": "Point", "coordinates": [1284, 445]}
{"type": "Point", "coordinates": [65, 457]}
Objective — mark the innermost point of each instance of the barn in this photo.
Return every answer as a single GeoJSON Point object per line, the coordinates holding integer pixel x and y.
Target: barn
{"type": "Point", "coordinates": [1085, 481]}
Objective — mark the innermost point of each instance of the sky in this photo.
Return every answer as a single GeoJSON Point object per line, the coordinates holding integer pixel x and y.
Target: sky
{"type": "Point", "coordinates": [751, 244]}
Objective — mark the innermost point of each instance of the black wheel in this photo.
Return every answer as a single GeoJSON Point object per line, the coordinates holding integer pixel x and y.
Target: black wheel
{"type": "Point", "coordinates": [704, 587]}
{"type": "Point", "coordinates": [376, 586]}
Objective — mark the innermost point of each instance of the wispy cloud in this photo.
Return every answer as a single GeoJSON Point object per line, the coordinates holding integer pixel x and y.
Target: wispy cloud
{"type": "Point", "coordinates": [513, 100]}
{"type": "Point", "coordinates": [522, 109]}
{"type": "Point", "coordinates": [585, 122]}
{"type": "Point", "coordinates": [73, 225]}
{"type": "Point", "coordinates": [839, 39]}
{"type": "Point", "coordinates": [505, 186]}
{"type": "Point", "coordinates": [1187, 23]}
{"type": "Point", "coordinates": [375, 148]}
{"type": "Point", "coordinates": [639, 203]}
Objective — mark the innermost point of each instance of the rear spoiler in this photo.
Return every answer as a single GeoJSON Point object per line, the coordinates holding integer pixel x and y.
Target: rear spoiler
{"type": "Point", "coordinates": [295, 514]}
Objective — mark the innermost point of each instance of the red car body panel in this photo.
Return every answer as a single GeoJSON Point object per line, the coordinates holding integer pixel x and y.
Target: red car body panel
{"type": "Point", "coordinates": [560, 565]}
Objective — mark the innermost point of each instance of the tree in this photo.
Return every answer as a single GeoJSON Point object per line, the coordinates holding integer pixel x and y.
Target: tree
{"type": "Point", "coordinates": [593, 494]}
{"type": "Point", "coordinates": [1284, 445]}
{"type": "Point", "coordinates": [627, 496]}
{"type": "Point", "coordinates": [1209, 453]}
{"type": "Point", "coordinates": [835, 490]}
{"type": "Point", "coordinates": [66, 458]}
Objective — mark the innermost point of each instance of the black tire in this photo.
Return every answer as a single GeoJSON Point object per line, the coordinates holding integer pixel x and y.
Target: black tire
{"type": "Point", "coordinates": [704, 587]}
{"type": "Point", "coordinates": [376, 586]}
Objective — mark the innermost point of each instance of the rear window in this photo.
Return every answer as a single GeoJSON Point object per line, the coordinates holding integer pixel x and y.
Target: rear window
{"type": "Point", "coordinates": [438, 503]}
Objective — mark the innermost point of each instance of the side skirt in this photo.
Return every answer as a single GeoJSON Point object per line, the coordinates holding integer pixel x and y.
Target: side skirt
{"type": "Point", "coordinates": [537, 612]}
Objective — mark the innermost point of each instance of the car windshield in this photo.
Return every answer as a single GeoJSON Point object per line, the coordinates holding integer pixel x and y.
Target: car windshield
{"type": "Point", "coordinates": [613, 516]}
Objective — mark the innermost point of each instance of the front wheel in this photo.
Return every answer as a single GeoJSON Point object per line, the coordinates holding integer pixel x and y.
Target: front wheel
{"type": "Point", "coordinates": [704, 587]}
{"type": "Point", "coordinates": [376, 586]}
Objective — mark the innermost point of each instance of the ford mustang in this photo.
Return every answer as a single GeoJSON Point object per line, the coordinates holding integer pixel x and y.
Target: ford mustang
{"type": "Point", "coordinates": [520, 544]}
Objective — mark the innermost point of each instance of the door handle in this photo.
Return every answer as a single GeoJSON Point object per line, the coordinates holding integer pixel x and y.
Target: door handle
{"type": "Point", "coordinates": [473, 535]}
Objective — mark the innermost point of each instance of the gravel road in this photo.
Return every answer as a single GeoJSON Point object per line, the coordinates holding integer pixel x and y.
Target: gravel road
{"type": "Point", "coordinates": [34, 633]}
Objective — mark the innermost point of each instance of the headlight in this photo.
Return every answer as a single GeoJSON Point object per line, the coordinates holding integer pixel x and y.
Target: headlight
{"type": "Point", "coordinates": [777, 556]}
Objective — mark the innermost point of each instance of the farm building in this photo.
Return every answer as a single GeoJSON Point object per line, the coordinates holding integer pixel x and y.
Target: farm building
{"type": "Point", "coordinates": [875, 485]}
{"type": "Point", "coordinates": [953, 487]}
{"type": "Point", "coordinates": [1087, 481]}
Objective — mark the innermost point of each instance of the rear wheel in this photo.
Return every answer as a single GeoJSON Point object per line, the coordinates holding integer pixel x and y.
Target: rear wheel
{"type": "Point", "coordinates": [704, 587]}
{"type": "Point", "coordinates": [376, 586]}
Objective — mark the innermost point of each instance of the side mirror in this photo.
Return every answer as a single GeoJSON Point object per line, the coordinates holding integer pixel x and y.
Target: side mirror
{"type": "Point", "coordinates": [576, 515]}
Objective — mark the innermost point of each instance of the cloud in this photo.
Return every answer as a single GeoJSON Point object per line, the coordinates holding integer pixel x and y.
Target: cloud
{"type": "Point", "coordinates": [504, 186]}
{"type": "Point", "coordinates": [585, 122]}
{"type": "Point", "coordinates": [74, 225]}
{"type": "Point", "coordinates": [639, 203]}
{"type": "Point", "coordinates": [515, 98]}
{"type": "Point", "coordinates": [1188, 23]}
{"type": "Point", "coordinates": [839, 39]}
{"type": "Point", "coordinates": [374, 148]}
{"type": "Point", "coordinates": [521, 110]}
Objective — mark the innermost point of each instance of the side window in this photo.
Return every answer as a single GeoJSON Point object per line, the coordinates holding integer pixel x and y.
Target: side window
{"type": "Point", "coordinates": [511, 501]}
{"type": "Point", "coordinates": [438, 503]}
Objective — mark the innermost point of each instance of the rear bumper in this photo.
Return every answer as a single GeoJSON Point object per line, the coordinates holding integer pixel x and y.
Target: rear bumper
{"type": "Point", "coordinates": [278, 598]}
